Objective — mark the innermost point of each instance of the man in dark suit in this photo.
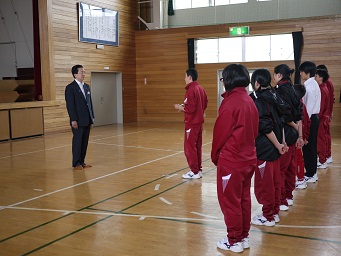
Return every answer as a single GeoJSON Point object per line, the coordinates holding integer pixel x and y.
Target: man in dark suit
{"type": "Point", "coordinates": [79, 106]}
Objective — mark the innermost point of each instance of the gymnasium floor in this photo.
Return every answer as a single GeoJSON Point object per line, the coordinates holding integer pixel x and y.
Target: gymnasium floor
{"type": "Point", "coordinates": [133, 200]}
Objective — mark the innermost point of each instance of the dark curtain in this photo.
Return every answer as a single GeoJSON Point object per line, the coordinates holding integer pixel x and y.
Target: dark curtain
{"type": "Point", "coordinates": [190, 44]}
{"type": "Point", "coordinates": [297, 38]}
{"type": "Point", "coordinates": [36, 45]}
{"type": "Point", "coordinates": [170, 8]}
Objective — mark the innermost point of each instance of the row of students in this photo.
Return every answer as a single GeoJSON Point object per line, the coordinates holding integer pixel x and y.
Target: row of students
{"type": "Point", "coordinates": [277, 123]}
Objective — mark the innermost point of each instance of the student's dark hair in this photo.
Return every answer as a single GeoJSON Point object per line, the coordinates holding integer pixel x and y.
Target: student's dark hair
{"type": "Point", "coordinates": [322, 73]}
{"type": "Point", "coordinates": [308, 67]}
{"type": "Point", "coordinates": [285, 71]}
{"type": "Point", "coordinates": [322, 67]}
{"type": "Point", "coordinates": [193, 73]}
{"type": "Point", "coordinates": [74, 69]}
{"type": "Point", "coordinates": [262, 76]}
{"type": "Point", "coordinates": [300, 89]}
{"type": "Point", "coordinates": [235, 75]}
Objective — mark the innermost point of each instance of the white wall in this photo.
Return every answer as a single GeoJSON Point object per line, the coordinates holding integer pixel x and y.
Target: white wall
{"type": "Point", "coordinates": [253, 11]}
{"type": "Point", "coordinates": [16, 36]}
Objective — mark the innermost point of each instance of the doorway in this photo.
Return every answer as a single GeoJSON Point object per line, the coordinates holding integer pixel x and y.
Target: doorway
{"type": "Point", "coordinates": [106, 88]}
{"type": "Point", "coordinates": [221, 88]}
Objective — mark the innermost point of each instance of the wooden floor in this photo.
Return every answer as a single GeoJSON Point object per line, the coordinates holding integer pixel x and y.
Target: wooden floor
{"type": "Point", "coordinates": [133, 200]}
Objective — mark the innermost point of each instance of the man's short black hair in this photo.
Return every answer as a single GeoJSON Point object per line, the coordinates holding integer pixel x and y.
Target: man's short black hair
{"type": "Point", "coordinates": [74, 69]}
{"type": "Point", "coordinates": [308, 67]}
{"type": "Point", "coordinates": [192, 73]}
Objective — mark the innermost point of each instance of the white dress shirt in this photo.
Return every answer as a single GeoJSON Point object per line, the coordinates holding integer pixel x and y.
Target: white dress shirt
{"type": "Point", "coordinates": [81, 86]}
{"type": "Point", "coordinates": [312, 97]}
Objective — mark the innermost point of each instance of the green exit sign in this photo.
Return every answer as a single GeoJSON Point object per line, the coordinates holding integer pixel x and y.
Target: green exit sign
{"type": "Point", "coordinates": [239, 31]}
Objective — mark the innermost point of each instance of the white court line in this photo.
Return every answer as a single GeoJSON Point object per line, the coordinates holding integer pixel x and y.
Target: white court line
{"type": "Point", "coordinates": [68, 145]}
{"type": "Point", "coordinates": [110, 214]}
{"type": "Point", "coordinates": [157, 186]}
{"type": "Point", "coordinates": [88, 181]}
{"type": "Point", "coordinates": [165, 201]}
{"type": "Point", "coordinates": [109, 144]}
{"type": "Point", "coordinates": [170, 176]}
{"type": "Point", "coordinates": [33, 152]}
{"type": "Point", "coordinates": [63, 212]}
{"type": "Point", "coordinates": [124, 134]}
{"type": "Point", "coordinates": [204, 215]}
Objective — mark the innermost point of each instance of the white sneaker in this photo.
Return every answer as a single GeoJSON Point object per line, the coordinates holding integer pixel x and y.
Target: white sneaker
{"type": "Point", "coordinates": [224, 245]}
{"type": "Point", "coordinates": [322, 166]}
{"type": "Point", "coordinates": [276, 217]}
{"type": "Point", "coordinates": [262, 221]}
{"type": "Point", "coordinates": [246, 243]}
{"type": "Point", "coordinates": [283, 207]}
{"type": "Point", "coordinates": [200, 173]}
{"type": "Point", "coordinates": [329, 160]}
{"type": "Point", "coordinates": [318, 163]}
{"type": "Point", "coordinates": [191, 175]}
{"type": "Point", "coordinates": [290, 202]}
{"type": "Point", "coordinates": [315, 177]}
{"type": "Point", "coordinates": [309, 179]}
{"type": "Point", "coordinates": [301, 184]}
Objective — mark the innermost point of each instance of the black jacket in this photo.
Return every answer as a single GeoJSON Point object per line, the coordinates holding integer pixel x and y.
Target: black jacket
{"type": "Point", "coordinates": [286, 91]}
{"type": "Point", "coordinates": [79, 107]}
{"type": "Point", "coordinates": [271, 109]}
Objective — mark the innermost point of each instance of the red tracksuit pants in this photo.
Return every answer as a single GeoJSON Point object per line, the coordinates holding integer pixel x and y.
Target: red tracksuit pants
{"type": "Point", "coordinates": [193, 147]}
{"type": "Point", "coordinates": [300, 164]}
{"type": "Point", "coordinates": [322, 141]}
{"type": "Point", "coordinates": [268, 187]}
{"type": "Point", "coordinates": [233, 188]}
{"type": "Point", "coordinates": [329, 140]}
{"type": "Point", "coordinates": [288, 168]}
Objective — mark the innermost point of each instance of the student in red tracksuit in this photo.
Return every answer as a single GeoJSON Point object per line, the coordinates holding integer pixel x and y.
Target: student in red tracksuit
{"type": "Point", "coordinates": [194, 107]}
{"type": "Point", "coordinates": [300, 181]}
{"type": "Point", "coordinates": [330, 87]}
{"type": "Point", "coordinates": [292, 131]}
{"type": "Point", "coordinates": [269, 146]}
{"type": "Point", "coordinates": [321, 77]}
{"type": "Point", "coordinates": [234, 153]}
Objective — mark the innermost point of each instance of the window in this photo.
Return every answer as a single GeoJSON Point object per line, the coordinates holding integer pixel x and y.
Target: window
{"type": "Point", "coordinates": [245, 49]}
{"type": "Point", "coordinates": [238, 1]}
{"type": "Point", "coordinates": [200, 3]}
{"type": "Point", "coordinates": [182, 4]}
{"type": "Point", "coordinates": [206, 51]}
{"type": "Point", "coordinates": [230, 49]}
{"type": "Point", "coordinates": [282, 47]}
{"type": "Point", "coordinates": [257, 48]}
{"type": "Point", "coordinates": [187, 4]}
{"type": "Point", "coordinates": [221, 2]}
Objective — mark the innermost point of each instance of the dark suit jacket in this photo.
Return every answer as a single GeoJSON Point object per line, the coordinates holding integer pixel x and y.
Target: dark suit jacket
{"type": "Point", "coordinates": [79, 108]}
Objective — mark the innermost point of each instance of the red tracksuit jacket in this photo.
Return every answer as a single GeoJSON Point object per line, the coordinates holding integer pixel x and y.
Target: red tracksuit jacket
{"type": "Point", "coordinates": [195, 103]}
{"type": "Point", "coordinates": [235, 130]}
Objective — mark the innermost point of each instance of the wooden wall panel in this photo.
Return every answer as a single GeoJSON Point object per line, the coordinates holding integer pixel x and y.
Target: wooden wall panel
{"type": "Point", "coordinates": [161, 61]}
{"type": "Point", "coordinates": [26, 122]}
{"type": "Point", "coordinates": [68, 51]}
{"type": "Point", "coordinates": [4, 125]}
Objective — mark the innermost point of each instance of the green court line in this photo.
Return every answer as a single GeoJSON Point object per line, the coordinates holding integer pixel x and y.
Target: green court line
{"type": "Point", "coordinates": [122, 212]}
{"type": "Point", "coordinates": [146, 199]}
{"type": "Point", "coordinates": [86, 207]}
{"type": "Point", "coordinates": [94, 223]}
